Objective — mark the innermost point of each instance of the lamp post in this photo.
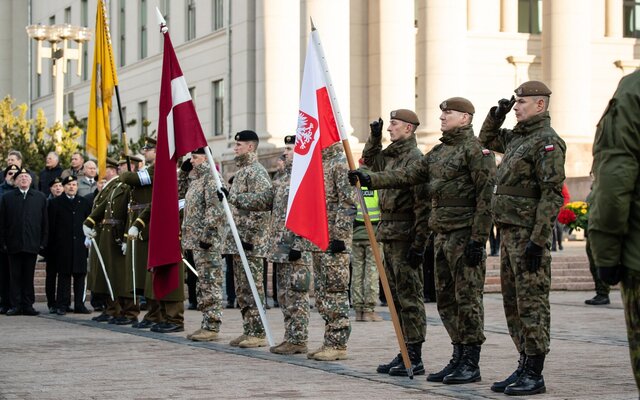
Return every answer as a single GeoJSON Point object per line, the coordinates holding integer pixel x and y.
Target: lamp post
{"type": "Point", "coordinates": [58, 37]}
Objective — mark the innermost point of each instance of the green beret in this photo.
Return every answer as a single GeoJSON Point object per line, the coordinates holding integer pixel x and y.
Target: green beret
{"type": "Point", "coordinates": [53, 182]}
{"type": "Point", "coordinates": [532, 88]}
{"type": "Point", "coordinates": [246, 136]}
{"type": "Point", "coordinates": [290, 139]}
{"type": "Point", "coordinates": [406, 116]}
{"type": "Point", "coordinates": [69, 179]}
{"type": "Point", "coordinates": [458, 104]}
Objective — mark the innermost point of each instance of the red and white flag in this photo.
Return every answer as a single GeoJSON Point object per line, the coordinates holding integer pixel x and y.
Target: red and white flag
{"type": "Point", "coordinates": [179, 132]}
{"type": "Point", "coordinates": [317, 130]}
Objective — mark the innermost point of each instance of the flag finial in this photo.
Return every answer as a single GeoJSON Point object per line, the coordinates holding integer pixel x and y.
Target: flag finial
{"type": "Point", "coordinates": [313, 27]}
{"type": "Point", "coordinates": [161, 21]}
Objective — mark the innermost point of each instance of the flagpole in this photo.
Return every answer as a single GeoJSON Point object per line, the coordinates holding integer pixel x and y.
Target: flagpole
{"type": "Point", "coordinates": [367, 220]}
{"type": "Point", "coordinates": [243, 257]}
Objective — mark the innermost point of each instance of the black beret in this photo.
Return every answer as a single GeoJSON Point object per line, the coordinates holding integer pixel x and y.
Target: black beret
{"type": "Point", "coordinates": [69, 179]}
{"type": "Point", "coordinates": [406, 116]}
{"type": "Point", "coordinates": [198, 151]}
{"type": "Point", "coordinates": [246, 136]}
{"type": "Point", "coordinates": [532, 88]}
{"type": "Point", "coordinates": [11, 168]}
{"type": "Point", "coordinates": [290, 139]}
{"type": "Point", "coordinates": [458, 104]}
{"type": "Point", "coordinates": [23, 171]}
{"type": "Point", "coordinates": [53, 182]}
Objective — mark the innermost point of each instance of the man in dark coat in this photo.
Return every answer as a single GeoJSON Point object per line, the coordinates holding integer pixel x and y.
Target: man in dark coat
{"type": "Point", "coordinates": [66, 250]}
{"type": "Point", "coordinates": [51, 171]}
{"type": "Point", "coordinates": [23, 233]}
{"type": "Point", "coordinates": [6, 187]}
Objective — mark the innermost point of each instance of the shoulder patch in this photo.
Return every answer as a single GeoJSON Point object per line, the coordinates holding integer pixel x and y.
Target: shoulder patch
{"type": "Point", "coordinates": [549, 147]}
{"type": "Point", "coordinates": [486, 152]}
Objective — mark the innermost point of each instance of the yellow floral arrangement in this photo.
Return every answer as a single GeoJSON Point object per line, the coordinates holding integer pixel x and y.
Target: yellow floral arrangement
{"type": "Point", "coordinates": [575, 215]}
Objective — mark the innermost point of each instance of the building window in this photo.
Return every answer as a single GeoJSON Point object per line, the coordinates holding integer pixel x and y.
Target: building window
{"type": "Point", "coordinates": [191, 19]}
{"type": "Point", "coordinates": [218, 15]}
{"type": "Point", "coordinates": [52, 83]}
{"type": "Point", "coordinates": [631, 15]}
{"type": "Point", "coordinates": [122, 31]}
{"type": "Point", "coordinates": [142, 112]}
{"type": "Point", "coordinates": [530, 16]}
{"type": "Point", "coordinates": [84, 21]}
{"type": "Point", "coordinates": [68, 75]}
{"type": "Point", "coordinates": [67, 15]}
{"type": "Point", "coordinates": [165, 7]}
{"type": "Point", "coordinates": [192, 93]}
{"type": "Point", "coordinates": [143, 29]}
{"type": "Point", "coordinates": [68, 103]}
{"type": "Point", "coordinates": [217, 107]}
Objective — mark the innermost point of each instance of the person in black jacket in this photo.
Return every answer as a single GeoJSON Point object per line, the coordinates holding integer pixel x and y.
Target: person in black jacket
{"type": "Point", "coordinates": [51, 171]}
{"type": "Point", "coordinates": [6, 187]}
{"type": "Point", "coordinates": [23, 234]}
{"type": "Point", "coordinates": [66, 249]}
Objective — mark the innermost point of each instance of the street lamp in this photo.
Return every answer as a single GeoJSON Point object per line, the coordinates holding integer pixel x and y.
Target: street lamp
{"type": "Point", "coordinates": [59, 53]}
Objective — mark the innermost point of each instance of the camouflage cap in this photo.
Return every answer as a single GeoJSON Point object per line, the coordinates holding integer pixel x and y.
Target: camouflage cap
{"type": "Point", "coordinates": [57, 180]}
{"type": "Point", "coordinates": [69, 179]}
{"type": "Point", "coordinates": [532, 88]}
{"type": "Point", "coordinates": [458, 104]}
{"type": "Point", "coordinates": [246, 136]}
{"type": "Point", "coordinates": [290, 139]}
{"type": "Point", "coordinates": [406, 116]}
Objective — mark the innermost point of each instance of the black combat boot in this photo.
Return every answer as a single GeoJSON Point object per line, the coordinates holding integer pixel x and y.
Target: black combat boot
{"type": "Point", "coordinates": [468, 370]}
{"type": "Point", "coordinates": [384, 368]}
{"type": "Point", "coordinates": [415, 355]}
{"type": "Point", "coordinates": [531, 381]}
{"type": "Point", "coordinates": [499, 386]}
{"type": "Point", "coordinates": [453, 363]}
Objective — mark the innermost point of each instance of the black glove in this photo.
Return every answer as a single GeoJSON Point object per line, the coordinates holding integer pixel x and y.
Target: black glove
{"type": "Point", "coordinates": [503, 108]}
{"type": "Point", "coordinates": [354, 176]}
{"type": "Point", "coordinates": [294, 255]}
{"type": "Point", "coordinates": [337, 246]}
{"type": "Point", "coordinates": [186, 165]}
{"type": "Point", "coordinates": [414, 258]}
{"type": "Point", "coordinates": [474, 252]}
{"type": "Point", "coordinates": [220, 191]}
{"type": "Point", "coordinates": [376, 128]}
{"type": "Point", "coordinates": [533, 256]}
{"type": "Point", "coordinates": [247, 246]}
{"type": "Point", "coordinates": [611, 275]}
{"type": "Point", "coordinates": [204, 245]}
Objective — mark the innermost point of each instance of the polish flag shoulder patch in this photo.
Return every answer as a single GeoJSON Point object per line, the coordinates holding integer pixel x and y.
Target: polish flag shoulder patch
{"type": "Point", "coordinates": [486, 152]}
{"type": "Point", "coordinates": [549, 147]}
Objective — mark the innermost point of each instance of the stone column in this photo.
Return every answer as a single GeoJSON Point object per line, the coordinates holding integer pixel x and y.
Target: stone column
{"type": "Point", "coordinates": [509, 16]}
{"type": "Point", "coordinates": [483, 15]}
{"type": "Point", "coordinates": [613, 19]}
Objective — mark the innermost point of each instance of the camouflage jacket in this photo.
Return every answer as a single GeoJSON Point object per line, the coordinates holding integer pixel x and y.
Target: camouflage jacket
{"type": "Point", "coordinates": [251, 177]}
{"type": "Point", "coordinates": [275, 199]}
{"type": "Point", "coordinates": [460, 175]}
{"type": "Point", "coordinates": [404, 212]}
{"type": "Point", "coordinates": [203, 214]}
{"type": "Point", "coordinates": [528, 189]}
{"type": "Point", "coordinates": [614, 217]}
{"type": "Point", "coordinates": [140, 199]}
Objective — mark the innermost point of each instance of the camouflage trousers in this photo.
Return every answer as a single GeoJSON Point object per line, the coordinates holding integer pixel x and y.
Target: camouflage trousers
{"type": "Point", "coordinates": [406, 284]}
{"type": "Point", "coordinates": [364, 276]}
{"type": "Point", "coordinates": [630, 289]}
{"type": "Point", "coordinates": [209, 288]}
{"type": "Point", "coordinates": [331, 285]}
{"type": "Point", "coordinates": [459, 288]}
{"type": "Point", "coordinates": [251, 325]}
{"type": "Point", "coordinates": [601, 287]}
{"type": "Point", "coordinates": [525, 295]}
{"type": "Point", "coordinates": [294, 280]}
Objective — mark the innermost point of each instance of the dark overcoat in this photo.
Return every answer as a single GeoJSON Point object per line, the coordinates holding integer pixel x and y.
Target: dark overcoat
{"type": "Point", "coordinates": [66, 249]}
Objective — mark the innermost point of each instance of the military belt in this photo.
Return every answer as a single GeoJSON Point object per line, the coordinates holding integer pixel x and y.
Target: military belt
{"type": "Point", "coordinates": [453, 202]}
{"type": "Point", "coordinates": [111, 221]}
{"type": "Point", "coordinates": [517, 191]}
{"type": "Point", "coordinates": [396, 217]}
{"type": "Point", "coordinates": [136, 207]}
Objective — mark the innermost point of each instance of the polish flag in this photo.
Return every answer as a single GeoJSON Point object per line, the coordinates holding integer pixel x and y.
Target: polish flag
{"type": "Point", "coordinates": [317, 130]}
{"type": "Point", "coordinates": [179, 132]}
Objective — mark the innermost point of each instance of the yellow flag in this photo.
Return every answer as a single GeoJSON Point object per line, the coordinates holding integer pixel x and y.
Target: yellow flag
{"type": "Point", "coordinates": [103, 81]}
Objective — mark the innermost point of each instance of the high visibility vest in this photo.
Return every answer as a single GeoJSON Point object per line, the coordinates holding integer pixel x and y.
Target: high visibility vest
{"type": "Point", "coordinates": [371, 201]}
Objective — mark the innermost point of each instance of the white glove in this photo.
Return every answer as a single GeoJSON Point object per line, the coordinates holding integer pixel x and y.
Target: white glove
{"type": "Point", "coordinates": [87, 242]}
{"type": "Point", "coordinates": [89, 232]}
{"type": "Point", "coordinates": [124, 248]}
{"type": "Point", "coordinates": [133, 233]}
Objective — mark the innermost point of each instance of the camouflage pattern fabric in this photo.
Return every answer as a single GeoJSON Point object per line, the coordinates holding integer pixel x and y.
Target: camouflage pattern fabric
{"type": "Point", "coordinates": [331, 284]}
{"type": "Point", "coordinates": [525, 295]}
{"type": "Point", "coordinates": [630, 289]}
{"type": "Point", "coordinates": [459, 288]}
{"type": "Point", "coordinates": [251, 325]}
{"type": "Point", "coordinates": [364, 276]}
{"type": "Point", "coordinates": [209, 288]}
{"type": "Point", "coordinates": [406, 284]}
{"type": "Point", "coordinates": [294, 280]}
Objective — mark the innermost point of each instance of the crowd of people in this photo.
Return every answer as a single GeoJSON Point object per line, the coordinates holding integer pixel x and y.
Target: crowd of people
{"type": "Point", "coordinates": [440, 207]}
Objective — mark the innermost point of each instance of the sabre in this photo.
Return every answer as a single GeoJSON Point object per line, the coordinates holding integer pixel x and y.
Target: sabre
{"type": "Point", "coordinates": [184, 260]}
{"type": "Point", "coordinates": [104, 270]}
{"type": "Point", "coordinates": [133, 269]}
{"type": "Point", "coordinates": [84, 293]}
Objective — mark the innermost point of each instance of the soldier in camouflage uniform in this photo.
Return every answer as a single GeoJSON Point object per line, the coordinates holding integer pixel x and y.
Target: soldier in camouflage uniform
{"type": "Point", "coordinates": [614, 219]}
{"type": "Point", "coordinates": [459, 173]}
{"type": "Point", "coordinates": [251, 177]}
{"type": "Point", "coordinates": [403, 230]}
{"type": "Point", "coordinates": [286, 252]}
{"type": "Point", "coordinates": [201, 233]}
{"type": "Point", "coordinates": [525, 203]}
{"type": "Point", "coordinates": [331, 267]}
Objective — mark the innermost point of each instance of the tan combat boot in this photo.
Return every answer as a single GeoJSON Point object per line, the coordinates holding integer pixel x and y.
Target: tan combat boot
{"type": "Point", "coordinates": [287, 348]}
{"type": "Point", "coordinates": [252, 341]}
{"type": "Point", "coordinates": [235, 342]}
{"type": "Point", "coordinates": [330, 354]}
{"type": "Point", "coordinates": [313, 353]}
{"type": "Point", "coordinates": [205, 336]}
{"type": "Point", "coordinates": [189, 336]}
{"type": "Point", "coordinates": [371, 316]}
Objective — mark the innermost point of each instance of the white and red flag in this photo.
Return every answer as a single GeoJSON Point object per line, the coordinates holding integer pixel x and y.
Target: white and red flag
{"type": "Point", "coordinates": [179, 132]}
{"type": "Point", "coordinates": [317, 130]}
